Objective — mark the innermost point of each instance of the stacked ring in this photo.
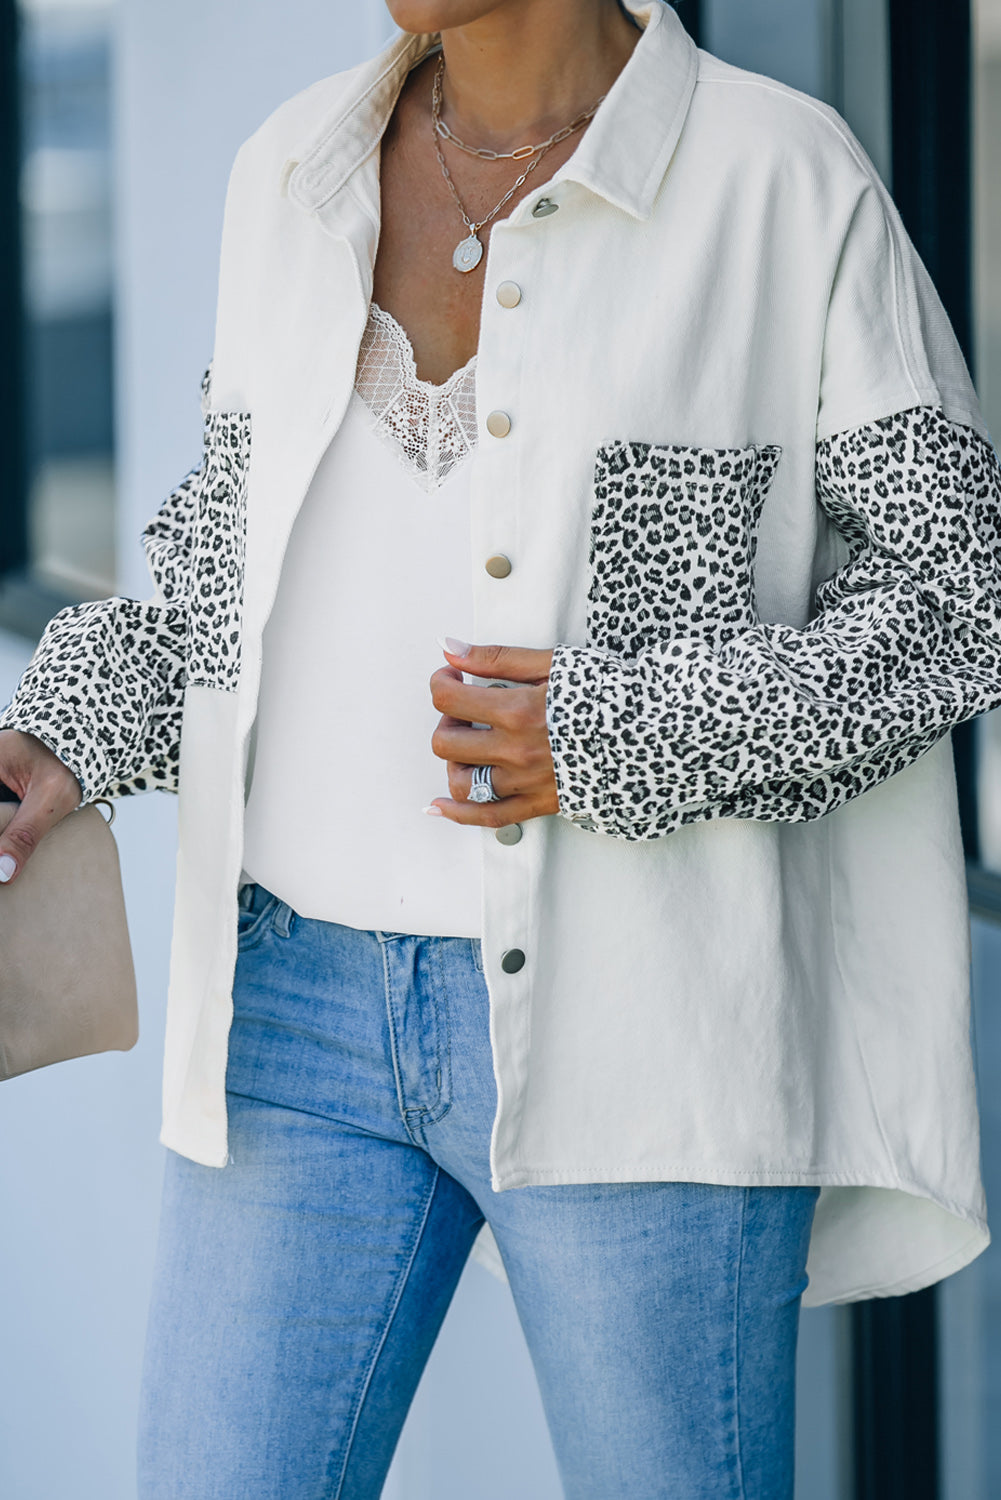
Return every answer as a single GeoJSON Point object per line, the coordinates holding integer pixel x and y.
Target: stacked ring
{"type": "Point", "coordinates": [482, 789]}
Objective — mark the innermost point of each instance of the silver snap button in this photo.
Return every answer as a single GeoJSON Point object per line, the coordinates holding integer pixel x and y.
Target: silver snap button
{"type": "Point", "coordinates": [498, 424]}
{"type": "Point", "coordinates": [509, 294]}
{"type": "Point", "coordinates": [509, 835]}
{"type": "Point", "coordinates": [512, 961]}
{"type": "Point", "coordinates": [544, 208]}
{"type": "Point", "coordinates": [498, 566]}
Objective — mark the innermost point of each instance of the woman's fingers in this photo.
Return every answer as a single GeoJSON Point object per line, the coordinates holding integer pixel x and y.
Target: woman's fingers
{"type": "Point", "coordinates": [47, 789]}
{"type": "Point", "coordinates": [456, 740]}
{"type": "Point", "coordinates": [515, 741]}
{"type": "Point", "coordinates": [505, 783]}
{"type": "Point", "coordinates": [508, 708]}
{"type": "Point", "coordinates": [493, 814]}
{"type": "Point", "coordinates": [512, 663]}
{"type": "Point", "coordinates": [527, 754]}
{"type": "Point", "coordinates": [521, 794]}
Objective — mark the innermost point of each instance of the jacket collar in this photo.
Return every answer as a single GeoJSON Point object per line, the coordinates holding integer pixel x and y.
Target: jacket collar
{"type": "Point", "coordinates": [622, 157]}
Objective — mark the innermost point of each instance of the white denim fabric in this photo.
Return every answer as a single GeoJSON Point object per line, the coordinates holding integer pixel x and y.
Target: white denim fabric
{"type": "Point", "coordinates": [740, 1001]}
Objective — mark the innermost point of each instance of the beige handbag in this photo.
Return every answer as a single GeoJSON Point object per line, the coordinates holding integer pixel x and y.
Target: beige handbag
{"type": "Point", "coordinates": [67, 981]}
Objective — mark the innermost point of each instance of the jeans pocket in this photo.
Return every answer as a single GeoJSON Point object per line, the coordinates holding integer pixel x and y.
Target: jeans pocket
{"type": "Point", "coordinates": [256, 915]}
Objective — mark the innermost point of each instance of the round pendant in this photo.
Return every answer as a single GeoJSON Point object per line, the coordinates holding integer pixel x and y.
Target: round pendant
{"type": "Point", "coordinates": [467, 254]}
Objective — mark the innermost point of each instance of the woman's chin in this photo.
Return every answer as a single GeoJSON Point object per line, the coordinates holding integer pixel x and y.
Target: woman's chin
{"type": "Point", "coordinates": [438, 15]}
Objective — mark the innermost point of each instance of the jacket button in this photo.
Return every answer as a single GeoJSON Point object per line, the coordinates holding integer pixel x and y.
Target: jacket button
{"type": "Point", "coordinates": [499, 566]}
{"type": "Point", "coordinates": [509, 294]}
{"type": "Point", "coordinates": [510, 834]}
{"type": "Point", "coordinates": [512, 960]}
{"type": "Point", "coordinates": [498, 424]}
{"type": "Point", "coordinates": [543, 208]}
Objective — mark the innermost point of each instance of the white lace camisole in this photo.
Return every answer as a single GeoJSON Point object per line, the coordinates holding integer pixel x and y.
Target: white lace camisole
{"type": "Point", "coordinates": [377, 567]}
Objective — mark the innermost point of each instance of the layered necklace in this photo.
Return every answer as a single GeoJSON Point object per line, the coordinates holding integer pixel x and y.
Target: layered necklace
{"type": "Point", "coordinates": [469, 251]}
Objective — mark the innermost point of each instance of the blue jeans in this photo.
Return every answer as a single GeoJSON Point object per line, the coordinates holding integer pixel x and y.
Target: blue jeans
{"type": "Point", "coordinates": [299, 1289]}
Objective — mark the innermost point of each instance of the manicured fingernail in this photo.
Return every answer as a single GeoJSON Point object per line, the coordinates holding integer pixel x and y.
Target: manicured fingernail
{"type": "Point", "coordinates": [456, 648]}
{"type": "Point", "coordinates": [8, 864]}
{"type": "Point", "coordinates": [433, 812]}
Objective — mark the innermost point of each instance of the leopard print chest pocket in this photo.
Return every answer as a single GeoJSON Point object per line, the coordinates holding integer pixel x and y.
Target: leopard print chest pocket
{"type": "Point", "coordinates": [216, 603]}
{"type": "Point", "coordinates": [673, 536]}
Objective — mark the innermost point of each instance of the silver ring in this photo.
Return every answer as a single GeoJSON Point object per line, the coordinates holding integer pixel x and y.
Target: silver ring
{"type": "Point", "coordinates": [482, 789]}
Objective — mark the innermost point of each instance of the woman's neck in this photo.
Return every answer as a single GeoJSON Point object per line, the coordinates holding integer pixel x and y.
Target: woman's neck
{"type": "Point", "coordinates": [528, 67]}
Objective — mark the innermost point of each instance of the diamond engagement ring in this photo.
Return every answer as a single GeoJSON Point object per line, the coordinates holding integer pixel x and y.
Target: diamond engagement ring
{"type": "Point", "coordinates": [482, 789]}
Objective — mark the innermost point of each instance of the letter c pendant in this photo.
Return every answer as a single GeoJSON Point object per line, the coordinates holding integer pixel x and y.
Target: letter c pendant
{"type": "Point", "coordinates": [467, 254]}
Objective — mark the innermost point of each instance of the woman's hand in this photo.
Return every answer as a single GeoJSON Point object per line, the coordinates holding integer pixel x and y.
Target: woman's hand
{"type": "Point", "coordinates": [47, 789]}
{"type": "Point", "coordinates": [515, 744]}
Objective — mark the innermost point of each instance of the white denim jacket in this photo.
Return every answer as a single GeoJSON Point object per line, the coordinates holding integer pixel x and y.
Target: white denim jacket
{"type": "Point", "coordinates": [748, 493]}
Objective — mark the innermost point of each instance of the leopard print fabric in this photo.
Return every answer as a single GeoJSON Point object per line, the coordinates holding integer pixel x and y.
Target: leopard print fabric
{"type": "Point", "coordinates": [104, 692]}
{"type": "Point", "coordinates": [216, 571]}
{"type": "Point", "coordinates": [693, 722]}
{"type": "Point", "coordinates": [682, 707]}
{"type": "Point", "coordinates": [673, 535]}
{"type": "Point", "coordinates": [105, 688]}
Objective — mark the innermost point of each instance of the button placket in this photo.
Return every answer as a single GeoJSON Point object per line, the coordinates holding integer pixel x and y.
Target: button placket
{"type": "Point", "coordinates": [507, 339]}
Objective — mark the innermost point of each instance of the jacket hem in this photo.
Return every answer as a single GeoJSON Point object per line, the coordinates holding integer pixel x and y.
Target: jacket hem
{"type": "Point", "coordinates": [728, 1177]}
{"type": "Point", "coordinates": [927, 1276]}
{"type": "Point", "coordinates": [823, 1289]}
{"type": "Point", "coordinates": [195, 1147]}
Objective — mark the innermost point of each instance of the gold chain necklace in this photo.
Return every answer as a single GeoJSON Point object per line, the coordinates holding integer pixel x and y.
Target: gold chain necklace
{"type": "Point", "coordinates": [469, 252]}
{"type": "Point", "coordinates": [523, 152]}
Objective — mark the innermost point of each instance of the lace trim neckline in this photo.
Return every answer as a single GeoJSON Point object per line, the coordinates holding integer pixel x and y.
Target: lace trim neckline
{"type": "Point", "coordinates": [401, 337]}
{"type": "Point", "coordinates": [431, 428]}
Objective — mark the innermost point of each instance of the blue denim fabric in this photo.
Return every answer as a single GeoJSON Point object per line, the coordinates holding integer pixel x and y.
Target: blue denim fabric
{"type": "Point", "coordinates": [299, 1289]}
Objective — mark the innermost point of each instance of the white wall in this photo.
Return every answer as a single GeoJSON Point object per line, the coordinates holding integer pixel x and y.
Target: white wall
{"type": "Point", "coordinates": [970, 1302]}
{"type": "Point", "coordinates": [79, 1183]}
{"type": "Point", "coordinates": [194, 78]}
{"type": "Point", "coordinates": [787, 39]}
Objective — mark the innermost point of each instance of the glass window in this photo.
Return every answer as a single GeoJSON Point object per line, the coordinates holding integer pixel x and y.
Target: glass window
{"type": "Point", "coordinates": [67, 233]}
{"type": "Point", "coordinates": [970, 1306]}
{"type": "Point", "coordinates": [987, 325]}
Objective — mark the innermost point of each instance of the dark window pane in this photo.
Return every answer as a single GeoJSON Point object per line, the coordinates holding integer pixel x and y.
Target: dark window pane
{"type": "Point", "coordinates": [67, 236]}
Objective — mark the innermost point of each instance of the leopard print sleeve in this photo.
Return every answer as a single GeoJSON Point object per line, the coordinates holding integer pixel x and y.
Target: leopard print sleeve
{"type": "Point", "coordinates": [104, 689]}
{"type": "Point", "coordinates": [782, 724]}
{"type": "Point", "coordinates": [104, 692]}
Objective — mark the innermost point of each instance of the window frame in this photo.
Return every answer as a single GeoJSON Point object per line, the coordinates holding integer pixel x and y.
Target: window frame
{"type": "Point", "coordinates": [27, 603]}
{"type": "Point", "coordinates": [13, 399]}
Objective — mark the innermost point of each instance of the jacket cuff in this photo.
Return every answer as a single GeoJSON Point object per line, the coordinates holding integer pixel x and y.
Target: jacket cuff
{"type": "Point", "coordinates": [574, 722]}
